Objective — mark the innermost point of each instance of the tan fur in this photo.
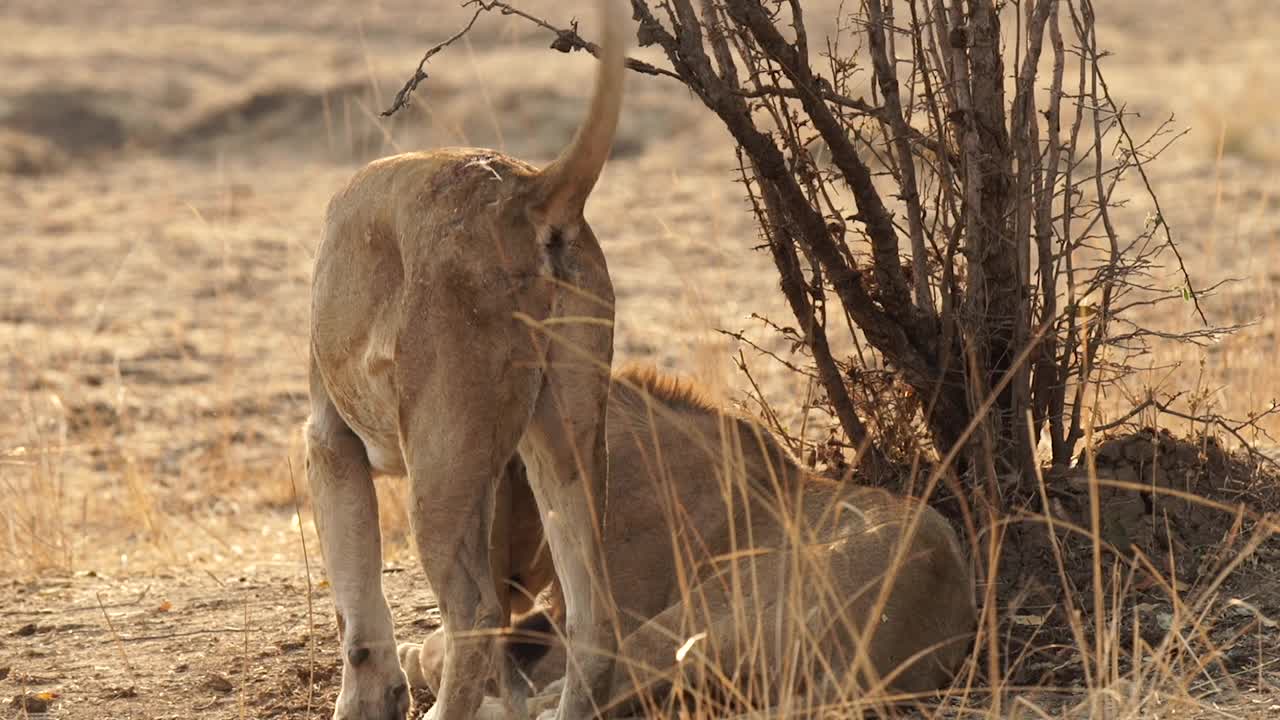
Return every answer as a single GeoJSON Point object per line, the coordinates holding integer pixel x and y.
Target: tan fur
{"type": "Point", "coordinates": [692, 487]}
{"type": "Point", "coordinates": [672, 390]}
{"type": "Point", "coordinates": [462, 312]}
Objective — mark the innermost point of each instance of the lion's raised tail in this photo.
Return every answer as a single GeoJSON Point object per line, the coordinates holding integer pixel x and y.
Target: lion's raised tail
{"type": "Point", "coordinates": [569, 179]}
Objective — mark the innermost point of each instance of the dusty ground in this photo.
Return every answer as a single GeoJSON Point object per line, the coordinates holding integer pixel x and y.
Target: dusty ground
{"type": "Point", "coordinates": [163, 173]}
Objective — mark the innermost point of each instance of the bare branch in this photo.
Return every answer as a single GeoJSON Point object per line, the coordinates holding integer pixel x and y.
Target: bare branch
{"type": "Point", "coordinates": [783, 249]}
{"type": "Point", "coordinates": [1096, 58]}
{"type": "Point", "coordinates": [402, 97]}
{"type": "Point", "coordinates": [858, 105]}
{"type": "Point", "coordinates": [887, 76]}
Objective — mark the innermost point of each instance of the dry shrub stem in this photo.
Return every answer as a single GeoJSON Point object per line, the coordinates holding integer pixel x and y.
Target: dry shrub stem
{"type": "Point", "coordinates": [403, 95]}
{"type": "Point", "coordinates": [115, 636]}
{"type": "Point", "coordinates": [311, 618]}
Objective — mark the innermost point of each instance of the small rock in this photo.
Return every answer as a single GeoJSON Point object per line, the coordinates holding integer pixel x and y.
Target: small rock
{"type": "Point", "coordinates": [4, 672]}
{"type": "Point", "coordinates": [291, 645]}
{"type": "Point", "coordinates": [26, 630]}
{"type": "Point", "coordinates": [1154, 622]}
{"type": "Point", "coordinates": [318, 673]}
{"type": "Point", "coordinates": [218, 683]}
{"type": "Point", "coordinates": [32, 702]}
{"type": "Point", "coordinates": [118, 693]}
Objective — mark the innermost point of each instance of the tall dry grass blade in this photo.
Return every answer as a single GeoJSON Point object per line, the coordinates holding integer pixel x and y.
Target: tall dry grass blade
{"type": "Point", "coordinates": [115, 636]}
{"type": "Point", "coordinates": [311, 619]}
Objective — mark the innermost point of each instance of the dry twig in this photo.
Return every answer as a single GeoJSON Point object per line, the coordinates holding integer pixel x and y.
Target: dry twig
{"type": "Point", "coordinates": [402, 97]}
{"type": "Point", "coordinates": [567, 40]}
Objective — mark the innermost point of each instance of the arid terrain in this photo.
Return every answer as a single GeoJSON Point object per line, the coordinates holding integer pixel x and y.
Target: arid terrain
{"type": "Point", "coordinates": [164, 169]}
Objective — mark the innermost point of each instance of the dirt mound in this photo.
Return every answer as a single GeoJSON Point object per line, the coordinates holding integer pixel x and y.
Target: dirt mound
{"type": "Point", "coordinates": [39, 130]}
{"type": "Point", "coordinates": [1177, 518]}
{"type": "Point", "coordinates": [1151, 487]}
{"type": "Point", "coordinates": [275, 116]}
{"type": "Point", "coordinates": [42, 131]}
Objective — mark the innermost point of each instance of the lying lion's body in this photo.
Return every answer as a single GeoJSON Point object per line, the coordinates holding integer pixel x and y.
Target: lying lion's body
{"type": "Point", "coordinates": [690, 487]}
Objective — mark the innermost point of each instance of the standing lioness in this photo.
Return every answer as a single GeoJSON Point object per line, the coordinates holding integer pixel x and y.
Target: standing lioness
{"type": "Point", "coordinates": [715, 538]}
{"type": "Point", "coordinates": [461, 313]}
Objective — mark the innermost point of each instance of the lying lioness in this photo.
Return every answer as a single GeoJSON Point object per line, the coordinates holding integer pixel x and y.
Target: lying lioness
{"type": "Point", "coordinates": [769, 577]}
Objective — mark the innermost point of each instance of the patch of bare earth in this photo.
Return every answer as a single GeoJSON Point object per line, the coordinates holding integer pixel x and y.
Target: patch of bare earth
{"type": "Point", "coordinates": [181, 646]}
